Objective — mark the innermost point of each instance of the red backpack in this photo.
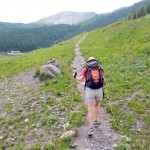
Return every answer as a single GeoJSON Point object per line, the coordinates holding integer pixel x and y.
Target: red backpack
{"type": "Point", "coordinates": [94, 75]}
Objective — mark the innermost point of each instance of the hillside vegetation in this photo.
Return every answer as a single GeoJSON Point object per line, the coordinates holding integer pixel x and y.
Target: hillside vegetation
{"type": "Point", "coordinates": [103, 20]}
{"type": "Point", "coordinates": [32, 113]}
{"type": "Point", "coordinates": [142, 11]}
{"type": "Point", "coordinates": [28, 37]}
{"type": "Point", "coordinates": [123, 50]}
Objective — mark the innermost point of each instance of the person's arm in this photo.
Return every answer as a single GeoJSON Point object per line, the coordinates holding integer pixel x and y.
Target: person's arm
{"type": "Point", "coordinates": [79, 78]}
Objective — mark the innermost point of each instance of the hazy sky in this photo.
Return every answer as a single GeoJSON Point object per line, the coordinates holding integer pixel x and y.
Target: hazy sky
{"type": "Point", "coordinates": [26, 11]}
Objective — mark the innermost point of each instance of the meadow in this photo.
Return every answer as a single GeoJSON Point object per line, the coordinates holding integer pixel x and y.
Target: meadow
{"type": "Point", "coordinates": [28, 119]}
{"type": "Point", "coordinates": [123, 50]}
{"type": "Point", "coordinates": [5, 59]}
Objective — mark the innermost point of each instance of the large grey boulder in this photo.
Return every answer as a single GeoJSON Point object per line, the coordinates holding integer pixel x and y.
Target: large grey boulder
{"type": "Point", "coordinates": [52, 68]}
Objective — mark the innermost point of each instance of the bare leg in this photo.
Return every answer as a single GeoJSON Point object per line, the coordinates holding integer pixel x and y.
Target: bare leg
{"type": "Point", "coordinates": [91, 113]}
{"type": "Point", "coordinates": [96, 110]}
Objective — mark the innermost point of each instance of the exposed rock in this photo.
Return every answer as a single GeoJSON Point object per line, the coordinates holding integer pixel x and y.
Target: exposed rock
{"type": "Point", "coordinates": [11, 139]}
{"type": "Point", "coordinates": [115, 145]}
{"type": "Point", "coordinates": [26, 120]}
{"type": "Point", "coordinates": [53, 62]}
{"type": "Point", "coordinates": [66, 125]}
{"type": "Point", "coordinates": [52, 68]}
{"type": "Point", "coordinates": [68, 134]}
{"type": "Point", "coordinates": [39, 124]}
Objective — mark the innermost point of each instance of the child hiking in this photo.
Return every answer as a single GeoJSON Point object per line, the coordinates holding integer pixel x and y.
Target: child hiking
{"type": "Point", "coordinates": [94, 80]}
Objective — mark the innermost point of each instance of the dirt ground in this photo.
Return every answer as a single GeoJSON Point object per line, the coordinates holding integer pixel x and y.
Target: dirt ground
{"type": "Point", "coordinates": [18, 89]}
{"type": "Point", "coordinates": [104, 138]}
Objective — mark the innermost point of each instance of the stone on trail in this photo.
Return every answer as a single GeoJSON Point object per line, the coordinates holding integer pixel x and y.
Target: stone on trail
{"type": "Point", "coordinates": [68, 134]}
{"type": "Point", "coordinates": [52, 68]}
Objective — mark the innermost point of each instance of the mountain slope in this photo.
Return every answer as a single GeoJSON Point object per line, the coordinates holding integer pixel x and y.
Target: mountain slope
{"type": "Point", "coordinates": [102, 20]}
{"type": "Point", "coordinates": [36, 120]}
{"type": "Point", "coordinates": [26, 37]}
{"type": "Point", "coordinates": [123, 50]}
{"type": "Point", "coordinates": [11, 26]}
{"type": "Point", "coordinates": [32, 113]}
{"type": "Point", "coordinates": [66, 17]}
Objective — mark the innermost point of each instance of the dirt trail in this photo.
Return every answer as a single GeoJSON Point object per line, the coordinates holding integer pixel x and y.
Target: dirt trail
{"type": "Point", "coordinates": [105, 138]}
{"type": "Point", "coordinates": [23, 91]}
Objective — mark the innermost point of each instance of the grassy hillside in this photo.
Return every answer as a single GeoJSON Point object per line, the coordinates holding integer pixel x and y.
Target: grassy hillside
{"type": "Point", "coordinates": [62, 52]}
{"type": "Point", "coordinates": [4, 59]}
{"type": "Point", "coordinates": [32, 115]}
{"type": "Point", "coordinates": [123, 50]}
{"type": "Point", "coordinates": [103, 20]}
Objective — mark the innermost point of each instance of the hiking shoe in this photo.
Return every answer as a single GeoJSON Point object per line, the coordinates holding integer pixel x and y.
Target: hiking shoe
{"type": "Point", "coordinates": [91, 131]}
{"type": "Point", "coordinates": [96, 123]}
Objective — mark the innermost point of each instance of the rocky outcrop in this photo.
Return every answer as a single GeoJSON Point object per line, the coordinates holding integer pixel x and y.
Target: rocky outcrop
{"type": "Point", "coordinates": [51, 67]}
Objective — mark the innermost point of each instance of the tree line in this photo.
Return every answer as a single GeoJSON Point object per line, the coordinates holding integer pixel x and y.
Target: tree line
{"type": "Point", "coordinates": [24, 38]}
{"type": "Point", "coordinates": [27, 39]}
{"type": "Point", "coordinates": [142, 11]}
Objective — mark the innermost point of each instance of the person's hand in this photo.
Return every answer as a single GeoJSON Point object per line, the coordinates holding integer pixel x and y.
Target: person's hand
{"type": "Point", "coordinates": [75, 74]}
{"type": "Point", "coordinates": [104, 82]}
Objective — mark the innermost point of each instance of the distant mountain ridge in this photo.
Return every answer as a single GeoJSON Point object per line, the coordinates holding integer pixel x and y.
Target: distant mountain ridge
{"type": "Point", "coordinates": [66, 17]}
{"type": "Point", "coordinates": [27, 37]}
{"type": "Point", "coordinates": [102, 20]}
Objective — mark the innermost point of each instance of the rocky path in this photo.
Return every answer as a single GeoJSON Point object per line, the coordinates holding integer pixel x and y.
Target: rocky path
{"type": "Point", "coordinates": [18, 88]}
{"type": "Point", "coordinates": [21, 96]}
{"type": "Point", "coordinates": [105, 138]}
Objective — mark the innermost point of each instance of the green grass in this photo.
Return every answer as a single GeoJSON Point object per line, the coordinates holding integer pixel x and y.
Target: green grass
{"type": "Point", "coordinates": [63, 52]}
{"type": "Point", "coordinates": [5, 58]}
{"type": "Point", "coordinates": [24, 116]}
{"type": "Point", "coordinates": [123, 50]}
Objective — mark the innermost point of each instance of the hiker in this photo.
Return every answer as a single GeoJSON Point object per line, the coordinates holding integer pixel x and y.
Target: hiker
{"type": "Point", "coordinates": [93, 91]}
